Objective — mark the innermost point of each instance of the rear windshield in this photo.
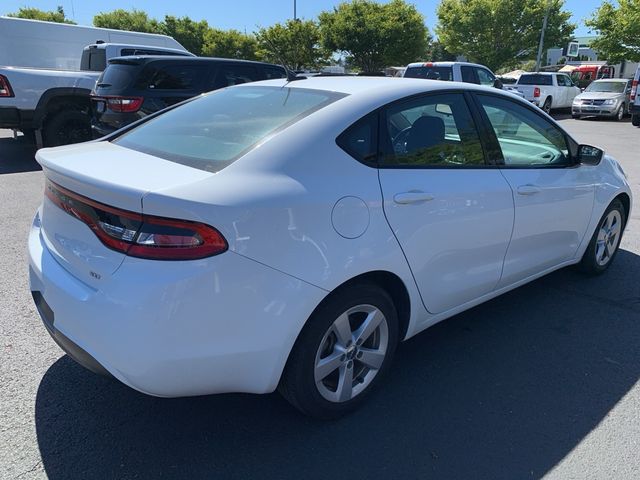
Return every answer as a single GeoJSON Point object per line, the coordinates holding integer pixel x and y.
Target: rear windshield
{"type": "Point", "coordinates": [117, 76]}
{"type": "Point", "coordinates": [213, 131]}
{"type": "Point", "coordinates": [535, 80]}
{"type": "Point", "coordinates": [613, 87]}
{"type": "Point", "coordinates": [430, 73]}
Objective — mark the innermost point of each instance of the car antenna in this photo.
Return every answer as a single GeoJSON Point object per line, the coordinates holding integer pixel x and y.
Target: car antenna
{"type": "Point", "coordinates": [291, 75]}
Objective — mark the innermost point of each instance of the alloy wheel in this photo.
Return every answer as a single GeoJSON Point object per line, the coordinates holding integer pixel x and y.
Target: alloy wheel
{"type": "Point", "coordinates": [608, 237]}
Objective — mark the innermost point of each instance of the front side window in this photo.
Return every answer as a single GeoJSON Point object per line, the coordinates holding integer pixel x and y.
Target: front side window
{"type": "Point", "coordinates": [229, 75]}
{"type": "Point", "coordinates": [213, 131]}
{"type": "Point", "coordinates": [432, 131]}
{"type": "Point", "coordinates": [526, 138]}
{"type": "Point", "coordinates": [274, 72]}
{"type": "Point", "coordinates": [468, 75]}
{"type": "Point", "coordinates": [485, 77]}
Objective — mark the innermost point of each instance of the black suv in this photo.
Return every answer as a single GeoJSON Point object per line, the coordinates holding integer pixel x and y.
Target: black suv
{"type": "Point", "coordinates": [131, 88]}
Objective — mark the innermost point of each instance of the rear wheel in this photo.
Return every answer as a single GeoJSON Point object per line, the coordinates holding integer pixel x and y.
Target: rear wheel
{"type": "Point", "coordinates": [635, 120]}
{"type": "Point", "coordinates": [604, 244]}
{"type": "Point", "coordinates": [65, 127]}
{"type": "Point", "coordinates": [342, 353]}
{"type": "Point", "coordinates": [546, 106]}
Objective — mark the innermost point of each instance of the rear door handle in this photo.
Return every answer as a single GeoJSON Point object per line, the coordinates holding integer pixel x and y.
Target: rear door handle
{"type": "Point", "coordinates": [407, 198]}
{"type": "Point", "coordinates": [528, 190]}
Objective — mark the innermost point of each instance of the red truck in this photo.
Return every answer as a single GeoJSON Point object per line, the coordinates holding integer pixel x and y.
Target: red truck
{"type": "Point", "coordinates": [583, 75]}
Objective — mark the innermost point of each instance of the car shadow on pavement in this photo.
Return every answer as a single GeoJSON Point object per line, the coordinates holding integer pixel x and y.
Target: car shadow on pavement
{"type": "Point", "coordinates": [505, 390]}
{"type": "Point", "coordinates": [17, 155]}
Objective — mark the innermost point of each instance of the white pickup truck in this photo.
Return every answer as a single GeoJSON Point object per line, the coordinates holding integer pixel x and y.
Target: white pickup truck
{"type": "Point", "coordinates": [52, 106]}
{"type": "Point", "coordinates": [45, 81]}
{"type": "Point", "coordinates": [548, 90]}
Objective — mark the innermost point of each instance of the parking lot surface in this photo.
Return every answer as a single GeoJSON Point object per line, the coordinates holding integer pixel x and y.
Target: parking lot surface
{"type": "Point", "coordinates": [541, 382]}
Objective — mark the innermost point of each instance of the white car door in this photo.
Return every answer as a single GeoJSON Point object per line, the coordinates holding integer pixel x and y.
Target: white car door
{"type": "Point", "coordinates": [553, 196]}
{"type": "Point", "coordinates": [451, 213]}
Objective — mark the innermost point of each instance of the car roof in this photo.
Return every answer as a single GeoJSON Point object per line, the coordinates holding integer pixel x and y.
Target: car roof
{"type": "Point", "coordinates": [140, 59]}
{"type": "Point", "coordinates": [388, 87]}
{"type": "Point", "coordinates": [444, 64]}
{"type": "Point", "coordinates": [613, 80]}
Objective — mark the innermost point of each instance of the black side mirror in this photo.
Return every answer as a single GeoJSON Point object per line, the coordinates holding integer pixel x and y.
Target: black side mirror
{"type": "Point", "coordinates": [588, 155]}
{"type": "Point", "coordinates": [497, 83]}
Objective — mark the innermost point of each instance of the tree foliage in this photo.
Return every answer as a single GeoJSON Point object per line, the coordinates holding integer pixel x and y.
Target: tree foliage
{"type": "Point", "coordinates": [134, 20]}
{"type": "Point", "coordinates": [501, 33]}
{"type": "Point", "coordinates": [189, 33]}
{"type": "Point", "coordinates": [229, 44]}
{"type": "Point", "coordinates": [295, 44]}
{"type": "Point", "coordinates": [374, 35]}
{"type": "Point", "coordinates": [56, 15]}
{"type": "Point", "coordinates": [618, 29]}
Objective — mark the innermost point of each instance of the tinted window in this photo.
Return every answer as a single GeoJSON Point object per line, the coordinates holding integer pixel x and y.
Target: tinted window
{"type": "Point", "coordinates": [468, 75]}
{"type": "Point", "coordinates": [117, 76]}
{"type": "Point", "coordinates": [430, 73]}
{"type": "Point", "coordinates": [564, 81]}
{"type": "Point", "coordinates": [229, 75]}
{"type": "Point", "coordinates": [437, 130]}
{"type": "Point", "coordinates": [211, 132]}
{"type": "Point", "coordinates": [140, 51]}
{"type": "Point", "coordinates": [274, 72]}
{"type": "Point", "coordinates": [360, 140]}
{"type": "Point", "coordinates": [526, 138]}
{"type": "Point", "coordinates": [171, 76]}
{"type": "Point", "coordinates": [94, 60]}
{"type": "Point", "coordinates": [535, 79]}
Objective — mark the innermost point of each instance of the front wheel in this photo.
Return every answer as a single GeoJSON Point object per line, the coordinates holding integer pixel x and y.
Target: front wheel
{"type": "Point", "coordinates": [342, 353]}
{"type": "Point", "coordinates": [604, 244]}
{"type": "Point", "coordinates": [620, 113]}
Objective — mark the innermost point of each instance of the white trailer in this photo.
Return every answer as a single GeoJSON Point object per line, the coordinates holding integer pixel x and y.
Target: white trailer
{"type": "Point", "coordinates": [37, 44]}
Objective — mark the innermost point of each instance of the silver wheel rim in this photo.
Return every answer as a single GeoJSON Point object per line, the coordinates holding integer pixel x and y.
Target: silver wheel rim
{"type": "Point", "coordinates": [608, 237]}
{"type": "Point", "coordinates": [621, 112]}
{"type": "Point", "coordinates": [351, 353]}
{"type": "Point", "coordinates": [547, 106]}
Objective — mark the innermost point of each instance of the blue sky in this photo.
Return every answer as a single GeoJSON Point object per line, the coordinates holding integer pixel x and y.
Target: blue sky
{"type": "Point", "coordinates": [242, 14]}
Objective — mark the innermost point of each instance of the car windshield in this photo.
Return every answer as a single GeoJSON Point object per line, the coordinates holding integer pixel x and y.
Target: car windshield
{"type": "Point", "coordinates": [430, 73]}
{"type": "Point", "coordinates": [535, 80]}
{"type": "Point", "coordinates": [213, 131]}
{"type": "Point", "coordinates": [613, 87]}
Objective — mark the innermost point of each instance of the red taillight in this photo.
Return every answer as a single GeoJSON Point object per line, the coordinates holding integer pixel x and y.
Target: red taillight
{"type": "Point", "coordinates": [121, 104]}
{"type": "Point", "coordinates": [5, 87]}
{"type": "Point", "coordinates": [536, 92]}
{"type": "Point", "coordinates": [140, 235]}
{"type": "Point", "coordinates": [634, 90]}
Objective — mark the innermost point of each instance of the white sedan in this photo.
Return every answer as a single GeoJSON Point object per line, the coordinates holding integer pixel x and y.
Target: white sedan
{"type": "Point", "coordinates": [289, 234]}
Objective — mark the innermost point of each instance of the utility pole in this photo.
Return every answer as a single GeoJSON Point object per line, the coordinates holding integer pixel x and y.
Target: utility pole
{"type": "Point", "coordinates": [295, 16]}
{"type": "Point", "coordinates": [544, 27]}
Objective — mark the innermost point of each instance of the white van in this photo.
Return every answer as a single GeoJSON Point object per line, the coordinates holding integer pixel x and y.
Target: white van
{"type": "Point", "coordinates": [37, 44]}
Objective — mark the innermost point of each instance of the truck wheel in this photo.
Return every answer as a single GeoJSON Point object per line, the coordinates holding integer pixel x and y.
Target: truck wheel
{"type": "Point", "coordinates": [635, 120]}
{"type": "Point", "coordinates": [547, 106]}
{"type": "Point", "coordinates": [65, 127]}
{"type": "Point", "coordinates": [29, 135]}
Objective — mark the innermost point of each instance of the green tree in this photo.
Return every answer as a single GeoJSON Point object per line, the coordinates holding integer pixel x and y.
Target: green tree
{"type": "Point", "coordinates": [618, 29]}
{"type": "Point", "coordinates": [501, 33]}
{"type": "Point", "coordinates": [296, 44]}
{"type": "Point", "coordinates": [373, 35]}
{"type": "Point", "coordinates": [229, 44]}
{"type": "Point", "coordinates": [189, 33]}
{"type": "Point", "coordinates": [37, 14]}
{"type": "Point", "coordinates": [437, 53]}
{"type": "Point", "coordinates": [134, 20]}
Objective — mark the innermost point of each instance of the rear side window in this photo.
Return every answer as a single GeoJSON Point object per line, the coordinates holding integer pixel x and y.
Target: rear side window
{"type": "Point", "coordinates": [534, 79]}
{"type": "Point", "coordinates": [117, 76]}
{"type": "Point", "coordinates": [430, 73]}
{"type": "Point", "coordinates": [274, 72]}
{"type": "Point", "coordinates": [171, 76]}
{"type": "Point", "coordinates": [230, 75]}
{"type": "Point", "coordinates": [468, 75]}
{"type": "Point", "coordinates": [361, 139]}
{"type": "Point", "coordinates": [213, 131]}
{"type": "Point", "coordinates": [93, 60]}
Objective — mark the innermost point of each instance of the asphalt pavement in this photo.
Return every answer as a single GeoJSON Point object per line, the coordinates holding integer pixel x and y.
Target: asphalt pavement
{"type": "Point", "coordinates": [541, 382]}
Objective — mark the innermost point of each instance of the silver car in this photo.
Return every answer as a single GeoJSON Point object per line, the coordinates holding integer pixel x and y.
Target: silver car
{"type": "Point", "coordinates": [607, 97]}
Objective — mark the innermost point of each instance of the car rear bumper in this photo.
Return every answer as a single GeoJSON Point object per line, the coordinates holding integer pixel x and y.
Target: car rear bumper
{"type": "Point", "coordinates": [221, 324]}
{"type": "Point", "coordinates": [13, 117]}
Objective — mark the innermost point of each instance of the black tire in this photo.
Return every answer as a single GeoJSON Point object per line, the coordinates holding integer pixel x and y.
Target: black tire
{"type": "Point", "coordinates": [635, 120]}
{"type": "Point", "coordinates": [619, 115]}
{"type": "Point", "coordinates": [546, 107]}
{"type": "Point", "coordinates": [576, 117]}
{"type": "Point", "coordinates": [298, 384]}
{"type": "Point", "coordinates": [589, 263]}
{"type": "Point", "coordinates": [29, 135]}
{"type": "Point", "coordinates": [65, 127]}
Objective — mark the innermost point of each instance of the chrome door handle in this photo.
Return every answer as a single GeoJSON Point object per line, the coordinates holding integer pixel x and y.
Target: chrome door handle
{"type": "Point", "coordinates": [406, 198]}
{"type": "Point", "coordinates": [528, 190]}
